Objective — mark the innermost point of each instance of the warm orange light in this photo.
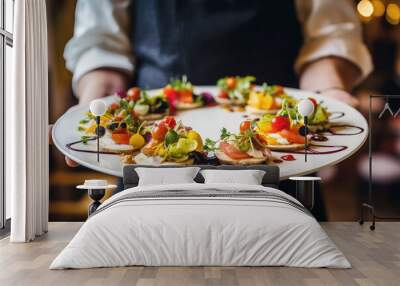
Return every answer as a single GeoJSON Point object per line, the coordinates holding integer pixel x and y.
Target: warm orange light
{"type": "Point", "coordinates": [393, 13]}
{"type": "Point", "coordinates": [379, 8]}
{"type": "Point", "coordinates": [365, 8]}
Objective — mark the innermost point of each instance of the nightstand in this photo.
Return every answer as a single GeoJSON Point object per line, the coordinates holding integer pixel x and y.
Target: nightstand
{"type": "Point", "coordinates": [305, 187]}
{"type": "Point", "coordinates": [96, 191]}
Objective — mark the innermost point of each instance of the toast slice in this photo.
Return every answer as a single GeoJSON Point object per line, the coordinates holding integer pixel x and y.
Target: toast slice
{"type": "Point", "coordinates": [225, 159]}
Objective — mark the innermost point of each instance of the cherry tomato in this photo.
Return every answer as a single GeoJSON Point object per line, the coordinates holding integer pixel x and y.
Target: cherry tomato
{"type": "Point", "coordinates": [314, 101]}
{"type": "Point", "coordinates": [233, 152]}
{"type": "Point", "coordinates": [120, 136]}
{"type": "Point", "coordinates": [113, 106]}
{"type": "Point", "coordinates": [133, 93]}
{"type": "Point", "coordinates": [159, 132]}
{"type": "Point", "coordinates": [279, 123]}
{"type": "Point", "coordinates": [231, 82]}
{"type": "Point", "coordinates": [278, 89]}
{"type": "Point", "coordinates": [292, 137]}
{"type": "Point", "coordinates": [170, 121]}
{"type": "Point", "coordinates": [245, 125]}
{"type": "Point", "coordinates": [171, 93]}
{"type": "Point", "coordinates": [223, 94]}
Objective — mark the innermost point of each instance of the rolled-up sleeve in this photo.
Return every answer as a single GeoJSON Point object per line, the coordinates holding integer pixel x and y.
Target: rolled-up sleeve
{"type": "Point", "coordinates": [101, 38]}
{"type": "Point", "coordinates": [332, 28]}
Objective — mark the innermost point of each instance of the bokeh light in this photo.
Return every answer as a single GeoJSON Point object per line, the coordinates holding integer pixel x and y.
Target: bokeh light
{"type": "Point", "coordinates": [379, 8]}
{"type": "Point", "coordinates": [393, 13]}
{"type": "Point", "coordinates": [365, 8]}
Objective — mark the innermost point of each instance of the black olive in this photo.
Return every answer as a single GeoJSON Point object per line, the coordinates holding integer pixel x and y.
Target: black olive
{"type": "Point", "coordinates": [122, 125]}
{"type": "Point", "coordinates": [302, 131]}
{"type": "Point", "coordinates": [113, 126]}
{"type": "Point", "coordinates": [100, 131]}
{"type": "Point", "coordinates": [161, 107]}
{"type": "Point", "coordinates": [197, 156]}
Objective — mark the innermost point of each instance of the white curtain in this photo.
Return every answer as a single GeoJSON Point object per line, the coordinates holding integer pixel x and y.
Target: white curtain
{"type": "Point", "coordinates": [27, 123]}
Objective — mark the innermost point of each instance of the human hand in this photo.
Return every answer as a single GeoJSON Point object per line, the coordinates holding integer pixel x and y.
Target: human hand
{"type": "Point", "coordinates": [331, 77]}
{"type": "Point", "coordinates": [100, 83]}
{"type": "Point", "coordinates": [341, 95]}
{"type": "Point", "coordinates": [93, 85]}
{"type": "Point", "coordinates": [68, 161]}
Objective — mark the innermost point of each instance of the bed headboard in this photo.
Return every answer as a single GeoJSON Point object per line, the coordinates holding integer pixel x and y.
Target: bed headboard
{"type": "Point", "coordinates": [271, 177]}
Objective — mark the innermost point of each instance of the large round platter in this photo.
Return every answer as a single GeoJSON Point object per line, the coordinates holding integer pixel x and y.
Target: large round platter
{"type": "Point", "coordinates": [208, 121]}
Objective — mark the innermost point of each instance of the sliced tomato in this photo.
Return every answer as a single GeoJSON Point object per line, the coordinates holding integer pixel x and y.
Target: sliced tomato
{"type": "Point", "coordinates": [120, 136]}
{"type": "Point", "coordinates": [292, 137]}
{"type": "Point", "coordinates": [171, 93]}
{"type": "Point", "coordinates": [223, 94]}
{"type": "Point", "coordinates": [233, 152]}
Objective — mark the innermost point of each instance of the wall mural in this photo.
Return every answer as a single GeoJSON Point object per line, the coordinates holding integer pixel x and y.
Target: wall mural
{"type": "Point", "coordinates": [234, 122]}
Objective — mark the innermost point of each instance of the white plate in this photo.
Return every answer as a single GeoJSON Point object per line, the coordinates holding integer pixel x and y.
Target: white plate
{"type": "Point", "coordinates": [208, 122]}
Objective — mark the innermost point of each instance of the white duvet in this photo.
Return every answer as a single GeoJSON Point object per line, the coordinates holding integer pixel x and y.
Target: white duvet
{"type": "Point", "coordinates": [189, 231]}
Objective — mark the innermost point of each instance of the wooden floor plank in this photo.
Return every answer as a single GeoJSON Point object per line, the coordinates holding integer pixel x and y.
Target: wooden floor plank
{"type": "Point", "coordinates": [375, 257]}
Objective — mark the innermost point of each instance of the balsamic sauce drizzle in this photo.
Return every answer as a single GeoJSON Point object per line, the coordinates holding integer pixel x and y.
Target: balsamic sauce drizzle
{"type": "Point", "coordinates": [339, 114]}
{"type": "Point", "coordinates": [312, 151]}
{"type": "Point", "coordinates": [70, 146]}
{"type": "Point", "coordinates": [331, 130]}
{"type": "Point", "coordinates": [319, 136]}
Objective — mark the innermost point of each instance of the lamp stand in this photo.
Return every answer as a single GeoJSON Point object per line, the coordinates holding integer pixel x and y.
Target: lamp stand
{"type": "Point", "coordinates": [98, 137]}
{"type": "Point", "coordinates": [305, 137]}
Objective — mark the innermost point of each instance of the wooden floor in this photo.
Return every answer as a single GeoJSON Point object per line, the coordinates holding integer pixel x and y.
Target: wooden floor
{"type": "Point", "coordinates": [375, 257]}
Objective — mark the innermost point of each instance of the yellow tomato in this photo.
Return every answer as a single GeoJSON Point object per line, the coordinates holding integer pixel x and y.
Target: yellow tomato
{"type": "Point", "coordinates": [193, 135]}
{"type": "Point", "coordinates": [255, 99]}
{"type": "Point", "coordinates": [264, 127]}
{"type": "Point", "coordinates": [272, 141]}
{"type": "Point", "coordinates": [137, 141]}
{"type": "Point", "coordinates": [269, 140]}
{"type": "Point", "coordinates": [267, 102]}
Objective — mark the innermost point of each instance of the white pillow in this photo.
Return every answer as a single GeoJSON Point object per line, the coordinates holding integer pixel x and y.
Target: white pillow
{"type": "Point", "coordinates": [166, 176]}
{"type": "Point", "coordinates": [248, 177]}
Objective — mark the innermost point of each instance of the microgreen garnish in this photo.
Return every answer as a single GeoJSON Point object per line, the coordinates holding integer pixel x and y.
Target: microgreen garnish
{"type": "Point", "coordinates": [85, 139]}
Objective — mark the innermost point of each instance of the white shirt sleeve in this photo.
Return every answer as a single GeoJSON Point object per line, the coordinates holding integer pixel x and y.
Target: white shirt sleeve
{"type": "Point", "coordinates": [101, 38]}
{"type": "Point", "coordinates": [332, 28]}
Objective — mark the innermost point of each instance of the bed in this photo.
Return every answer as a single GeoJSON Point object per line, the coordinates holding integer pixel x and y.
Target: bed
{"type": "Point", "coordinates": [197, 224]}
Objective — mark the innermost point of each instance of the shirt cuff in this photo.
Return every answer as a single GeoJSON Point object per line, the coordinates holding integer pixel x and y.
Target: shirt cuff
{"type": "Point", "coordinates": [353, 51]}
{"type": "Point", "coordinates": [97, 58]}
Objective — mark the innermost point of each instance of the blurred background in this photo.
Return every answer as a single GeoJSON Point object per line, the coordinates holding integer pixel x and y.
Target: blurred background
{"type": "Point", "coordinates": [344, 186]}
